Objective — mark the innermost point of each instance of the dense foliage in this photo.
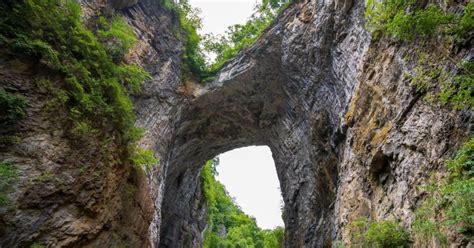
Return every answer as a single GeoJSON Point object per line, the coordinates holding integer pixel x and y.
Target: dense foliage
{"type": "Point", "coordinates": [193, 57]}
{"type": "Point", "coordinates": [143, 158]}
{"type": "Point", "coordinates": [415, 21]}
{"type": "Point", "coordinates": [458, 192]}
{"type": "Point", "coordinates": [224, 47]}
{"type": "Point", "coordinates": [12, 108]}
{"type": "Point", "coordinates": [228, 226]}
{"type": "Point", "coordinates": [118, 34]}
{"type": "Point", "coordinates": [8, 176]}
{"type": "Point", "coordinates": [240, 36]}
{"type": "Point", "coordinates": [377, 234]}
{"type": "Point", "coordinates": [454, 196]}
{"type": "Point", "coordinates": [96, 83]}
{"type": "Point", "coordinates": [458, 92]}
{"type": "Point", "coordinates": [410, 19]}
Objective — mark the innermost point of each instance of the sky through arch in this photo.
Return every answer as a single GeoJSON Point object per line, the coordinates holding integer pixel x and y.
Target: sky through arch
{"type": "Point", "coordinates": [248, 173]}
{"type": "Point", "coordinates": [249, 176]}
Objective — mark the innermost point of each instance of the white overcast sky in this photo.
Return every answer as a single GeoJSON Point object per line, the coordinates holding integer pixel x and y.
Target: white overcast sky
{"type": "Point", "coordinates": [250, 177]}
{"type": "Point", "coordinates": [249, 173]}
{"type": "Point", "coordinates": [217, 15]}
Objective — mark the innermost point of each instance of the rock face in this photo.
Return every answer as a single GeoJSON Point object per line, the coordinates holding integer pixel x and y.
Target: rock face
{"type": "Point", "coordinates": [395, 141]}
{"type": "Point", "coordinates": [67, 195]}
{"type": "Point", "coordinates": [348, 134]}
{"type": "Point", "coordinates": [121, 4]}
{"type": "Point", "coordinates": [288, 92]}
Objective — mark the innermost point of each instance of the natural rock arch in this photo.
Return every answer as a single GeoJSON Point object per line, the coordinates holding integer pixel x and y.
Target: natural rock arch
{"type": "Point", "coordinates": [225, 117]}
{"type": "Point", "coordinates": [283, 93]}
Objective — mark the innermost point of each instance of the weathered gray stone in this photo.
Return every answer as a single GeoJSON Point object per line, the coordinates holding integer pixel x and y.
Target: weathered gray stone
{"type": "Point", "coordinates": [121, 4]}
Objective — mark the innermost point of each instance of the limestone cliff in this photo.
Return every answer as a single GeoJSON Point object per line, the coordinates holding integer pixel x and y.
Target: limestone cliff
{"type": "Point", "coordinates": [349, 135]}
{"type": "Point", "coordinates": [67, 194]}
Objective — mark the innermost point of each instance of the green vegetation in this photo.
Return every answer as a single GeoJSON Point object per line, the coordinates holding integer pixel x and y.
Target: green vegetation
{"type": "Point", "coordinates": [455, 89]}
{"type": "Point", "coordinates": [225, 47]}
{"type": "Point", "coordinates": [453, 196]}
{"type": "Point", "coordinates": [118, 35]}
{"type": "Point", "coordinates": [387, 234]}
{"type": "Point", "coordinates": [190, 23]}
{"type": "Point", "coordinates": [12, 108]}
{"type": "Point", "coordinates": [8, 176]}
{"type": "Point", "coordinates": [459, 92]}
{"type": "Point", "coordinates": [465, 25]}
{"type": "Point", "coordinates": [459, 189]}
{"type": "Point", "coordinates": [338, 244]}
{"type": "Point", "coordinates": [425, 228]}
{"type": "Point", "coordinates": [378, 234]}
{"type": "Point", "coordinates": [143, 158]}
{"type": "Point", "coordinates": [240, 36]}
{"type": "Point", "coordinates": [228, 226]}
{"type": "Point", "coordinates": [410, 20]}
{"type": "Point", "coordinates": [450, 204]}
{"type": "Point", "coordinates": [36, 245]}
{"type": "Point", "coordinates": [46, 176]}
{"type": "Point", "coordinates": [96, 84]}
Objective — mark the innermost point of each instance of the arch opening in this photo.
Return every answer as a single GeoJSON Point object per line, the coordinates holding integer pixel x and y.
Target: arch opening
{"type": "Point", "coordinates": [243, 200]}
{"type": "Point", "coordinates": [250, 178]}
{"type": "Point", "coordinates": [254, 102]}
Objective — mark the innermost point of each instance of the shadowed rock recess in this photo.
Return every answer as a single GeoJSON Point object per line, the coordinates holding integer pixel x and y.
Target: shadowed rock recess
{"type": "Point", "coordinates": [348, 134]}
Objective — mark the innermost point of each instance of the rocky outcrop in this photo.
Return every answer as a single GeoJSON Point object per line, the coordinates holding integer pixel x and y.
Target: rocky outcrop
{"type": "Point", "coordinates": [348, 134]}
{"type": "Point", "coordinates": [121, 4]}
{"type": "Point", "coordinates": [67, 194]}
{"type": "Point", "coordinates": [396, 141]}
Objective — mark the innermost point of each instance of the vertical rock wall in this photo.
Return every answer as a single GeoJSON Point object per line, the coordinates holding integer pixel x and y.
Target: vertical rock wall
{"type": "Point", "coordinates": [396, 141]}
{"type": "Point", "coordinates": [67, 194]}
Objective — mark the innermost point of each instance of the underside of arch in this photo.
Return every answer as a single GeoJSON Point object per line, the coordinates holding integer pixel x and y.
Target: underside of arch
{"type": "Point", "coordinates": [283, 93]}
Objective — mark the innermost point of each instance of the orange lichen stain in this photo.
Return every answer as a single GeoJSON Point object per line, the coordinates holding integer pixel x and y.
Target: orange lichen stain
{"type": "Point", "coordinates": [351, 112]}
{"type": "Point", "coordinates": [189, 88]}
{"type": "Point", "coordinates": [366, 115]}
{"type": "Point", "coordinates": [366, 111]}
{"type": "Point", "coordinates": [306, 14]}
{"type": "Point", "coordinates": [381, 135]}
